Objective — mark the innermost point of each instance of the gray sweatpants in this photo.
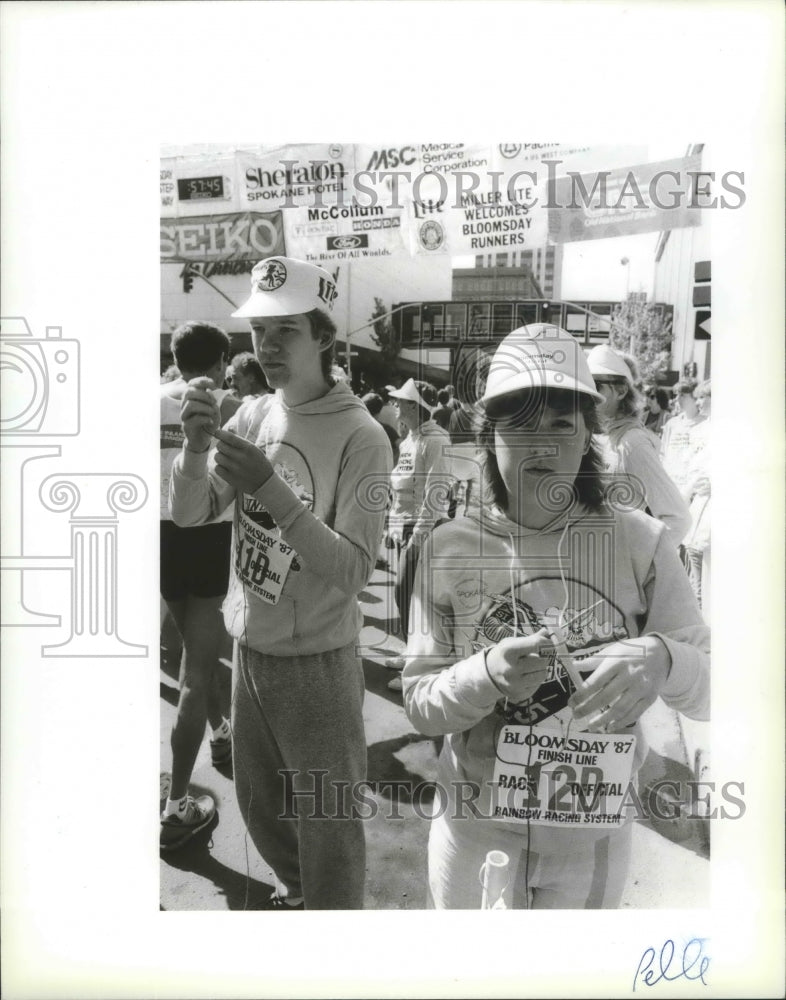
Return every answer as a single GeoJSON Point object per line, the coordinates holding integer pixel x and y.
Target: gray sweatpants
{"type": "Point", "coordinates": [297, 727]}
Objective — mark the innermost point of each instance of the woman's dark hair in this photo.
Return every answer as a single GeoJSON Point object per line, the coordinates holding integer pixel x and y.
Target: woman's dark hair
{"type": "Point", "coordinates": [322, 325]}
{"type": "Point", "coordinates": [522, 407]}
{"type": "Point", "coordinates": [663, 398]}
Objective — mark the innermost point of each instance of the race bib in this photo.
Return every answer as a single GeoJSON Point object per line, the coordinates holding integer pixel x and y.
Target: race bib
{"type": "Point", "coordinates": [262, 559]}
{"type": "Point", "coordinates": [547, 775]}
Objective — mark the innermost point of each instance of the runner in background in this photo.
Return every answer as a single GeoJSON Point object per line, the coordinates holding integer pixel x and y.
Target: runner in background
{"type": "Point", "coordinates": [511, 608]}
{"type": "Point", "coordinates": [306, 467]}
{"type": "Point", "coordinates": [194, 577]}
{"type": "Point", "coordinates": [699, 492]}
{"type": "Point", "coordinates": [373, 403]}
{"type": "Point", "coordinates": [246, 378]}
{"type": "Point", "coordinates": [389, 413]}
{"type": "Point", "coordinates": [628, 449]}
{"type": "Point", "coordinates": [676, 447]}
{"type": "Point", "coordinates": [443, 411]}
{"type": "Point", "coordinates": [421, 486]}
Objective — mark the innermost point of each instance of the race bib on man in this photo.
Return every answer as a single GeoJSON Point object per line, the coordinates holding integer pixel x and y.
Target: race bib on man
{"type": "Point", "coordinates": [549, 774]}
{"type": "Point", "coordinates": [262, 559]}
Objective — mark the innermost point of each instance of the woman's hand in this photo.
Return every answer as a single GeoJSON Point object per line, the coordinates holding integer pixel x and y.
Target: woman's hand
{"type": "Point", "coordinates": [627, 678]}
{"type": "Point", "coordinates": [515, 667]}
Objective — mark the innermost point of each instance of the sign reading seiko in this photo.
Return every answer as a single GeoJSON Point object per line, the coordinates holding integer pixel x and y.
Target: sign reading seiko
{"type": "Point", "coordinates": [235, 236]}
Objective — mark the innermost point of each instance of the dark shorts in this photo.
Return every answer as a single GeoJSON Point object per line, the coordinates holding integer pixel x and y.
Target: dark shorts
{"type": "Point", "coordinates": [195, 561]}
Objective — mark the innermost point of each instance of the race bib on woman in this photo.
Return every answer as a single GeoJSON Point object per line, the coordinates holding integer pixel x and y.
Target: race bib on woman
{"type": "Point", "coordinates": [547, 775]}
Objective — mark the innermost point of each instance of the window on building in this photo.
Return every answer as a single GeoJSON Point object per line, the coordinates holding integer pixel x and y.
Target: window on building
{"type": "Point", "coordinates": [526, 313]}
{"type": "Point", "coordinates": [409, 320]}
{"type": "Point", "coordinates": [455, 320]}
{"type": "Point", "coordinates": [433, 322]}
{"type": "Point", "coordinates": [479, 320]}
{"type": "Point", "coordinates": [574, 322]}
{"type": "Point", "coordinates": [503, 321]}
{"type": "Point", "coordinates": [597, 330]}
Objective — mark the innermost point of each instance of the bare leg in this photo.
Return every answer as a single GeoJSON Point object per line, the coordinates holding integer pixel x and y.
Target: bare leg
{"type": "Point", "coordinates": [202, 628]}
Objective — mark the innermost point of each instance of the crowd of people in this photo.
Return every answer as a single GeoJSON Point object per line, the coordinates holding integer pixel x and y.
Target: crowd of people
{"type": "Point", "coordinates": [520, 622]}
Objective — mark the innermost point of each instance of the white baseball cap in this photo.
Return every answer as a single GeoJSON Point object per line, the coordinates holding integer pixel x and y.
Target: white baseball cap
{"type": "Point", "coordinates": [281, 286]}
{"type": "Point", "coordinates": [539, 356]}
{"type": "Point", "coordinates": [605, 361]}
{"type": "Point", "coordinates": [410, 391]}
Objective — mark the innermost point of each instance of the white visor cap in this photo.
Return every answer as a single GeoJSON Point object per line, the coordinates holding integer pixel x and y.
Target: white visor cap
{"type": "Point", "coordinates": [605, 361]}
{"type": "Point", "coordinates": [411, 392]}
{"type": "Point", "coordinates": [281, 286]}
{"type": "Point", "coordinates": [539, 356]}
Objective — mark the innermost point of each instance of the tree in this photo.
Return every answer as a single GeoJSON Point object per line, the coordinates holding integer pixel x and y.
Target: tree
{"type": "Point", "coordinates": [640, 328]}
{"type": "Point", "coordinates": [385, 335]}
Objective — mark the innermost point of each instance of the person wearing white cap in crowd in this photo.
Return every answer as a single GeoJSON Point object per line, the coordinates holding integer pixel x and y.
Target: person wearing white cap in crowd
{"type": "Point", "coordinates": [630, 451]}
{"type": "Point", "coordinates": [551, 619]}
{"type": "Point", "coordinates": [676, 448]}
{"type": "Point", "coordinates": [302, 465]}
{"type": "Point", "coordinates": [420, 484]}
{"type": "Point", "coordinates": [698, 489]}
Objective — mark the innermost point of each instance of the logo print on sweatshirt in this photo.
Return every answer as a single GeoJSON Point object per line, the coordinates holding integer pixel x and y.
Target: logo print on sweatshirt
{"type": "Point", "coordinates": [583, 632]}
{"type": "Point", "coordinates": [256, 511]}
{"type": "Point", "coordinates": [272, 277]}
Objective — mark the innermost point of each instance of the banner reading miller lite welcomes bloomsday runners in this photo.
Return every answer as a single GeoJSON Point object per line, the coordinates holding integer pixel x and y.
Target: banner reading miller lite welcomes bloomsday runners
{"type": "Point", "coordinates": [333, 202]}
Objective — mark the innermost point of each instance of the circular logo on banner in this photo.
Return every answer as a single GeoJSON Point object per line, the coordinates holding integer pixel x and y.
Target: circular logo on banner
{"type": "Point", "coordinates": [272, 277]}
{"type": "Point", "coordinates": [335, 151]}
{"type": "Point", "coordinates": [431, 235]}
{"type": "Point", "coordinates": [510, 149]}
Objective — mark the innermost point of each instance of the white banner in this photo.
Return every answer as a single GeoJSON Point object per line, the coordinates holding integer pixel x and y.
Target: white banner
{"type": "Point", "coordinates": [301, 175]}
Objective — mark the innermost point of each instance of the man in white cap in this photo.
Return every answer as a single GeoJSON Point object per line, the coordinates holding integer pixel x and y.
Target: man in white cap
{"type": "Point", "coordinates": [301, 465]}
{"type": "Point", "coordinates": [629, 449]}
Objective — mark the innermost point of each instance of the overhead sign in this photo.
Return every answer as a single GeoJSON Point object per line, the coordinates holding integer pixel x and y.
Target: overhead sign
{"type": "Point", "coordinates": [236, 236]}
{"type": "Point", "coordinates": [301, 175]}
{"type": "Point", "coordinates": [342, 232]}
{"type": "Point", "coordinates": [641, 199]}
{"type": "Point", "coordinates": [327, 202]}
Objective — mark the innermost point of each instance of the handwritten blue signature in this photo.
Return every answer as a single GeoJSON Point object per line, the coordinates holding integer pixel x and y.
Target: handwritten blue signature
{"type": "Point", "coordinates": [691, 955]}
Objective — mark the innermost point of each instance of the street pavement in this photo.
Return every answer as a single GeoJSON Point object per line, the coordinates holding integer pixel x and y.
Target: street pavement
{"type": "Point", "coordinates": [220, 868]}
